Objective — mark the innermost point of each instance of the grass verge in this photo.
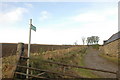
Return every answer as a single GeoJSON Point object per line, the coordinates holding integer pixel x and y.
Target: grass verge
{"type": "Point", "coordinates": [109, 58]}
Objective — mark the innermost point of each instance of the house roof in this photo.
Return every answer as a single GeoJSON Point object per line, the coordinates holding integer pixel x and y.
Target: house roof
{"type": "Point", "coordinates": [113, 38]}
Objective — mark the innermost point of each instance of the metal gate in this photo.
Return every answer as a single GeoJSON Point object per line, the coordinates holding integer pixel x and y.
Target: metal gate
{"type": "Point", "coordinates": [22, 75]}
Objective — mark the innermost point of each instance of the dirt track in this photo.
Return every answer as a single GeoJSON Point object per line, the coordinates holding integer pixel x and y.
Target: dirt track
{"type": "Point", "coordinates": [92, 60]}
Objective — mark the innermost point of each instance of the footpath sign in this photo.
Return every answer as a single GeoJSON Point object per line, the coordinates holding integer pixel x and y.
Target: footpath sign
{"type": "Point", "coordinates": [33, 28]}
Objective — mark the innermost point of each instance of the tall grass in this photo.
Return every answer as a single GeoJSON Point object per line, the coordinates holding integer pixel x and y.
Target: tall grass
{"type": "Point", "coordinates": [7, 66]}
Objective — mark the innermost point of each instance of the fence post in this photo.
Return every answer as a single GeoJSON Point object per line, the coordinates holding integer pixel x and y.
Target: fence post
{"type": "Point", "coordinates": [19, 52]}
{"type": "Point", "coordinates": [20, 49]}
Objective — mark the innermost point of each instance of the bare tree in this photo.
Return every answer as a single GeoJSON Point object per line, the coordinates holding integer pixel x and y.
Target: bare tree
{"type": "Point", "coordinates": [83, 40]}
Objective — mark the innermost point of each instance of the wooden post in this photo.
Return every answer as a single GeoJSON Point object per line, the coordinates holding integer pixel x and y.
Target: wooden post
{"type": "Point", "coordinates": [20, 51]}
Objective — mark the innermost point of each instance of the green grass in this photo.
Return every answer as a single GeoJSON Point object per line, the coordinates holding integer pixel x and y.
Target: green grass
{"type": "Point", "coordinates": [112, 59]}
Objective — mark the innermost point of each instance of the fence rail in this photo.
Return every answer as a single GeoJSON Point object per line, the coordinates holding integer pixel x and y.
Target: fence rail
{"type": "Point", "coordinates": [80, 67]}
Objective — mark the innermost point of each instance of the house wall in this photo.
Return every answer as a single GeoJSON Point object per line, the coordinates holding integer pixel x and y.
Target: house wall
{"type": "Point", "coordinates": [111, 48]}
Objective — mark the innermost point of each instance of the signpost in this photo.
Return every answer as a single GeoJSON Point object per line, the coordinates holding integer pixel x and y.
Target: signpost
{"type": "Point", "coordinates": [33, 28]}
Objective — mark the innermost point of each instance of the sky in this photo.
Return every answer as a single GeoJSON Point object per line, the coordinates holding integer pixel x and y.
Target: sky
{"type": "Point", "coordinates": [57, 22]}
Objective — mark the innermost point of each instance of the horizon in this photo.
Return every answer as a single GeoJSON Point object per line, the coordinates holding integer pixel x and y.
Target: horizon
{"type": "Point", "coordinates": [57, 44]}
{"type": "Point", "coordinates": [57, 22]}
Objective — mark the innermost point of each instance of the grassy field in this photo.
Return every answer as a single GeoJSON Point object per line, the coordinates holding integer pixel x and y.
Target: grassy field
{"type": "Point", "coordinates": [9, 49]}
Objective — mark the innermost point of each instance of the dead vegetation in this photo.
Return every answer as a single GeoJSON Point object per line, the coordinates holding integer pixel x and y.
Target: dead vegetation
{"type": "Point", "coordinates": [7, 66]}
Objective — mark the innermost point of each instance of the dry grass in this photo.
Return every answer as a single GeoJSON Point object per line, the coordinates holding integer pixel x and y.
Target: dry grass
{"type": "Point", "coordinates": [65, 56]}
{"type": "Point", "coordinates": [73, 55]}
{"type": "Point", "coordinates": [7, 66]}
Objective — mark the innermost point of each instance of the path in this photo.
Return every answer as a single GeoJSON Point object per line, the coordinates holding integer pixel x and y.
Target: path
{"type": "Point", "coordinates": [93, 60]}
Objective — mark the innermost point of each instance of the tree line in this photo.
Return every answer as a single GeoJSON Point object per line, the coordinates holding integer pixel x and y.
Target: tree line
{"type": "Point", "coordinates": [90, 40]}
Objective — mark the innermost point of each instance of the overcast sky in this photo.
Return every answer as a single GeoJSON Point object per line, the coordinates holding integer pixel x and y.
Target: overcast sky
{"type": "Point", "coordinates": [57, 22]}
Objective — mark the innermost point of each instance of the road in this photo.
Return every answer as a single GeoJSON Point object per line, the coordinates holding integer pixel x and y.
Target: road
{"type": "Point", "coordinates": [93, 60]}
